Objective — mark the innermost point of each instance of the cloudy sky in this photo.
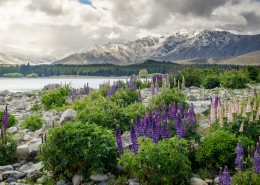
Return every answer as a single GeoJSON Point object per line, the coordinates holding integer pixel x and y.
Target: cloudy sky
{"type": "Point", "coordinates": [57, 27]}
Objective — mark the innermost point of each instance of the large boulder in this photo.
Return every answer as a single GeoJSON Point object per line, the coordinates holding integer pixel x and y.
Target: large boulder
{"type": "Point", "coordinates": [51, 87]}
{"type": "Point", "coordinates": [77, 179]}
{"type": "Point", "coordinates": [197, 181]}
{"type": "Point", "coordinates": [13, 174]}
{"type": "Point", "coordinates": [6, 168]}
{"type": "Point", "coordinates": [68, 115]}
{"type": "Point", "coordinates": [22, 152]}
{"type": "Point", "coordinates": [34, 147]}
{"type": "Point", "coordinates": [126, 139]}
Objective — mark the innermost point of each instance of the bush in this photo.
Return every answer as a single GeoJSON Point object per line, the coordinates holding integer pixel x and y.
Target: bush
{"type": "Point", "coordinates": [192, 77]}
{"type": "Point", "coordinates": [32, 75]}
{"type": "Point", "coordinates": [162, 163]}
{"type": "Point", "coordinates": [211, 82]}
{"type": "Point", "coordinates": [7, 152]}
{"type": "Point", "coordinates": [33, 122]}
{"type": "Point", "coordinates": [234, 80]}
{"type": "Point", "coordinates": [13, 75]}
{"type": "Point", "coordinates": [79, 148]}
{"type": "Point", "coordinates": [55, 98]}
{"type": "Point", "coordinates": [11, 119]}
{"type": "Point", "coordinates": [218, 149]}
{"type": "Point", "coordinates": [245, 178]}
{"type": "Point", "coordinates": [143, 73]}
{"type": "Point", "coordinates": [125, 97]}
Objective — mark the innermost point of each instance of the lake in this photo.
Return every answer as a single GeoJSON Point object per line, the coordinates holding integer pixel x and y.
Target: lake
{"type": "Point", "coordinates": [28, 84]}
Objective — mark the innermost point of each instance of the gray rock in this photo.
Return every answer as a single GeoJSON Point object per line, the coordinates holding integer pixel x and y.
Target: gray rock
{"type": "Point", "coordinates": [61, 182]}
{"type": "Point", "coordinates": [133, 182]}
{"type": "Point", "coordinates": [13, 174]}
{"type": "Point", "coordinates": [216, 180]}
{"type": "Point", "coordinates": [13, 130]}
{"type": "Point", "coordinates": [21, 106]}
{"type": "Point", "coordinates": [4, 93]}
{"type": "Point", "coordinates": [68, 115]}
{"type": "Point", "coordinates": [126, 139]}
{"type": "Point", "coordinates": [102, 183]}
{"type": "Point", "coordinates": [24, 168]}
{"type": "Point", "coordinates": [22, 152]}
{"type": "Point", "coordinates": [10, 180]}
{"type": "Point", "coordinates": [38, 166]}
{"type": "Point", "coordinates": [99, 178]}
{"type": "Point", "coordinates": [204, 123]}
{"type": "Point", "coordinates": [2, 100]}
{"type": "Point", "coordinates": [77, 179]}
{"type": "Point", "coordinates": [16, 165]}
{"type": "Point", "coordinates": [32, 174]}
{"type": "Point", "coordinates": [34, 148]}
{"type": "Point", "coordinates": [1, 178]}
{"type": "Point", "coordinates": [51, 87]}
{"type": "Point", "coordinates": [16, 183]}
{"type": "Point", "coordinates": [197, 181]}
{"type": "Point", "coordinates": [6, 168]}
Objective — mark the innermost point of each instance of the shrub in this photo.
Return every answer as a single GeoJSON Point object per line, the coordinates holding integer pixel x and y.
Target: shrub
{"type": "Point", "coordinates": [125, 97]}
{"type": "Point", "coordinates": [143, 73]}
{"type": "Point", "coordinates": [217, 149]}
{"type": "Point", "coordinates": [245, 178]}
{"type": "Point", "coordinates": [33, 122]}
{"type": "Point", "coordinates": [251, 71]}
{"type": "Point", "coordinates": [192, 77]}
{"type": "Point", "coordinates": [13, 75]}
{"type": "Point", "coordinates": [79, 148]}
{"type": "Point", "coordinates": [162, 163]}
{"type": "Point", "coordinates": [11, 119]}
{"type": "Point", "coordinates": [55, 98]}
{"type": "Point", "coordinates": [7, 151]}
{"type": "Point", "coordinates": [234, 80]}
{"type": "Point", "coordinates": [142, 85]}
{"type": "Point", "coordinates": [211, 82]}
{"type": "Point", "coordinates": [32, 75]}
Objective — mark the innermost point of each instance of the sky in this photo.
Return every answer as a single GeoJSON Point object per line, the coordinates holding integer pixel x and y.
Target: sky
{"type": "Point", "coordinates": [59, 27]}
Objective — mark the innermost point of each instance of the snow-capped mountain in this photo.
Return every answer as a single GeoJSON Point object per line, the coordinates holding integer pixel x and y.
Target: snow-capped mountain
{"type": "Point", "coordinates": [16, 58]}
{"type": "Point", "coordinates": [182, 45]}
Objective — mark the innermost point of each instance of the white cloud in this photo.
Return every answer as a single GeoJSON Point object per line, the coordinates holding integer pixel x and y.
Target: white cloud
{"type": "Point", "coordinates": [57, 27]}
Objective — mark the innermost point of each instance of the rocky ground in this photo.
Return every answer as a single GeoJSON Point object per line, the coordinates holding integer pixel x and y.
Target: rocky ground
{"type": "Point", "coordinates": [28, 168]}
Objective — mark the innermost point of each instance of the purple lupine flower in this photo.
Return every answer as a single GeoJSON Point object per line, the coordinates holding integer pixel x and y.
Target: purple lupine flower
{"type": "Point", "coordinates": [180, 108]}
{"type": "Point", "coordinates": [109, 91]}
{"type": "Point", "coordinates": [240, 156]}
{"type": "Point", "coordinates": [164, 112]}
{"type": "Point", "coordinates": [5, 117]}
{"type": "Point", "coordinates": [134, 139]}
{"type": "Point", "coordinates": [86, 89]}
{"type": "Point", "coordinates": [179, 126]}
{"type": "Point", "coordinates": [172, 111]}
{"type": "Point", "coordinates": [156, 129]}
{"type": "Point", "coordinates": [192, 115]}
{"type": "Point", "coordinates": [119, 86]}
{"type": "Point", "coordinates": [257, 159]}
{"type": "Point", "coordinates": [139, 96]}
{"type": "Point", "coordinates": [226, 178]}
{"type": "Point", "coordinates": [166, 131]}
{"type": "Point", "coordinates": [119, 140]}
{"type": "Point", "coordinates": [139, 128]}
{"type": "Point", "coordinates": [216, 102]}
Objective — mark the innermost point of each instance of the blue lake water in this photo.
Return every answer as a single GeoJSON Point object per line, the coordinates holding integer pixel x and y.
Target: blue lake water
{"type": "Point", "coordinates": [28, 84]}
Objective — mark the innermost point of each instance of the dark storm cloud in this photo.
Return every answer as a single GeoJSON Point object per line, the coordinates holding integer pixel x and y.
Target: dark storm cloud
{"type": "Point", "coordinates": [46, 7]}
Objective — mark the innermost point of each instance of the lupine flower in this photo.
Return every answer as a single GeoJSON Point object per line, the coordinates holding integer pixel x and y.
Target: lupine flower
{"type": "Point", "coordinates": [179, 127]}
{"type": "Point", "coordinates": [164, 112]}
{"type": "Point", "coordinates": [157, 86]}
{"type": "Point", "coordinates": [156, 129]}
{"type": "Point", "coordinates": [241, 129]}
{"type": "Point", "coordinates": [240, 156]}
{"type": "Point", "coordinates": [86, 89]}
{"type": "Point", "coordinates": [226, 178]}
{"type": "Point", "coordinates": [254, 106]}
{"type": "Point", "coordinates": [172, 111]}
{"type": "Point", "coordinates": [119, 140]}
{"type": "Point", "coordinates": [119, 86]}
{"type": "Point", "coordinates": [257, 159]}
{"type": "Point", "coordinates": [183, 84]}
{"type": "Point", "coordinates": [257, 115]}
{"type": "Point", "coordinates": [191, 115]}
{"type": "Point", "coordinates": [134, 139]}
{"type": "Point", "coordinates": [212, 113]}
{"type": "Point", "coordinates": [248, 106]}
{"type": "Point", "coordinates": [5, 117]}
{"type": "Point", "coordinates": [139, 128]}
{"type": "Point", "coordinates": [139, 96]}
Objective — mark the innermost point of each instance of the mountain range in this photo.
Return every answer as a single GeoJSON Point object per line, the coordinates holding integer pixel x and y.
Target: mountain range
{"type": "Point", "coordinates": [195, 46]}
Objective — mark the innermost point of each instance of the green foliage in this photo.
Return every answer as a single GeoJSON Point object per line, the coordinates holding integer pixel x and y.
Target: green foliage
{"type": "Point", "coordinates": [211, 81]}
{"type": "Point", "coordinates": [143, 73]}
{"type": "Point", "coordinates": [192, 77]}
{"type": "Point", "coordinates": [79, 148]}
{"type": "Point", "coordinates": [7, 151]}
{"type": "Point", "coordinates": [234, 79]}
{"type": "Point", "coordinates": [217, 149]}
{"type": "Point", "coordinates": [55, 98]}
{"type": "Point", "coordinates": [13, 75]}
{"type": "Point", "coordinates": [251, 71]}
{"type": "Point", "coordinates": [125, 97]}
{"type": "Point", "coordinates": [245, 178]}
{"type": "Point", "coordinates": [142, 85]}
{"type": "Point", "coordinates": [11, 119]}
{"type": "Point", "coordinates": [169, 96]}
{"type": "Point", "coordinates": [33, 122]}
{"type": "Point", "coordinates": [162, 163]}
{"type": "Point", "coordinates": [32, 75]}
{"type": "Point", "coordinates": [36, 107]}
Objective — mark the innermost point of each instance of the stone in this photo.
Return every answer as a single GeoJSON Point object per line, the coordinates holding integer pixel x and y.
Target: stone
{"type": "Point", "coordinates": [208, 181]}
{"type": "Point", "coordinates": [2, 100]}
{"type": "Point", "coordinates": [4, 93]}
{"type": "Point", "coordinates": [22, 152]}
{"type": "Point", "coordinates": [61, 182]}
{"type": "Point", "coordinates": [24, 168]}
{"type": "Point", "coordinates": [77, 179]}
{"type": "Point", "coordinates": [34, 148]}
{"type": "Point", "coordinates": [21, 106]}
{"type": "Point", "coordinates": [99, 178]}
{"type": "Point", "coordinates": [51, 87]}
{"type": "Point", "coordinates": [10, 180]}
{"type": "Point", "coordinates": [38, 166]}
{"type": "Point", "coordinates": [216, 180]}
{"type": "Point", "coordinates": [133, 182]}
{"type": "Point", "coordinates": [197, 181]}
{"type": "Point", "coordinates": [204, 123]}
{"type": "Point", "coordinates": [32, 174]}
{"type": "Point", "coordinates": [13, 130]}
{"type": "Point", "coordinates": [16, 165]}
{"type": "Point", "coordinates": [102, 183]}
{"type": "Point", "coordinates": [126, 139]}
{"type": "Point", "coordinates": [68, 115]}
{"type": "Point", "coordinates": [6, 168]}
{"type": "Point", "coordinates": [13, 174]}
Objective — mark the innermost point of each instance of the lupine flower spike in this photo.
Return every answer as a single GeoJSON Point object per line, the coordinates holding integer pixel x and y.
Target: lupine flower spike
{"type": "Point", "coordinates": [226, 178]}
{"type": "Point", "coordinates": [134, 139]}
{"type": "Point", "coordinates": [119, 140]}
{"type": "Point", "coordinates": [240, 156]}
{"type": "Point", "coordinates": [257, 159]}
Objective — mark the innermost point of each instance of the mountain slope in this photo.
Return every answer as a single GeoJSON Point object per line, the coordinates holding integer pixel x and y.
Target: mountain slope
{"type": "Point", "coordinates": [183, 45]}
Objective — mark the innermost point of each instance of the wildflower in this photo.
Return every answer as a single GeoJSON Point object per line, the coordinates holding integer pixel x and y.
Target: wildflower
{"type": "Point", "coordinates": [240, 156]}
{"type": "Point", "coordinates": [257, 159]}
{"type": "Point", "coordinates": [226, 178]}
{"type": "Point", "coordinates": [5, 118]}
{"type": "Point", "coordinates": [119, 140]}
{"type": "Point", "coordinates": [134, 139]}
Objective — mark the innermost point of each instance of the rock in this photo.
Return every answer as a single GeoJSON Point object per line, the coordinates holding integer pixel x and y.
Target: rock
{"type": "Point", "coordinates": [51, 87]}
{"type": "Point", "coordinates": [68, 115]}
{"type": "Point", "coordinates": [22, 152]}
{"type": "Point", "coordinates": [6, 168]}
{"type": "Point", "coordinates": [216, 180]}
{"type": "Point", "coordinates": [77, 179]}
{"type": "Point", "coordinates": [16, 165]}
{"type": "Point", "coordinates": [2, 100]}
{"type": "Point", "coordinates": [10, 181]}
{"type": "Point", "coordinates": [21, 106]}
{"type": "Point", "coordinates": [201, 107]}
{"type": "Point", "coordinates": [61, 182]}
{"type": "Point", "coordinates": [204, 123]}
{"type": "Point", "coordinates": [38, 166]}
{"type": "Point", "coordinates": [99, 178]}
{"type": "Point", "coordinates": [40, 180]}
{"type": "Point", "coordinates": [1, 178]}
{"type": "Point", "coordinates": [126, 139]}
{"type": "Point", "coordinates": [24, 168]}
{"type": "Point", "coordinates": [102, 183]}
{"type": "Point", "coordinates": [12, 130]}
{"type": "Point", "coordinates": [32, 174]}
{"type": "Point", "coordinates": [34, 148]}
{"type": "Point", "coordinates": [209, 181]}
{"type": "Point", "coordinates": [133, 182]}
{"type": "Point", "coordinates": [13, 174]}
{"type": "Point", "coordinates": [4, 93]}
{"type": "Point", "coordinates": [197, 181]}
